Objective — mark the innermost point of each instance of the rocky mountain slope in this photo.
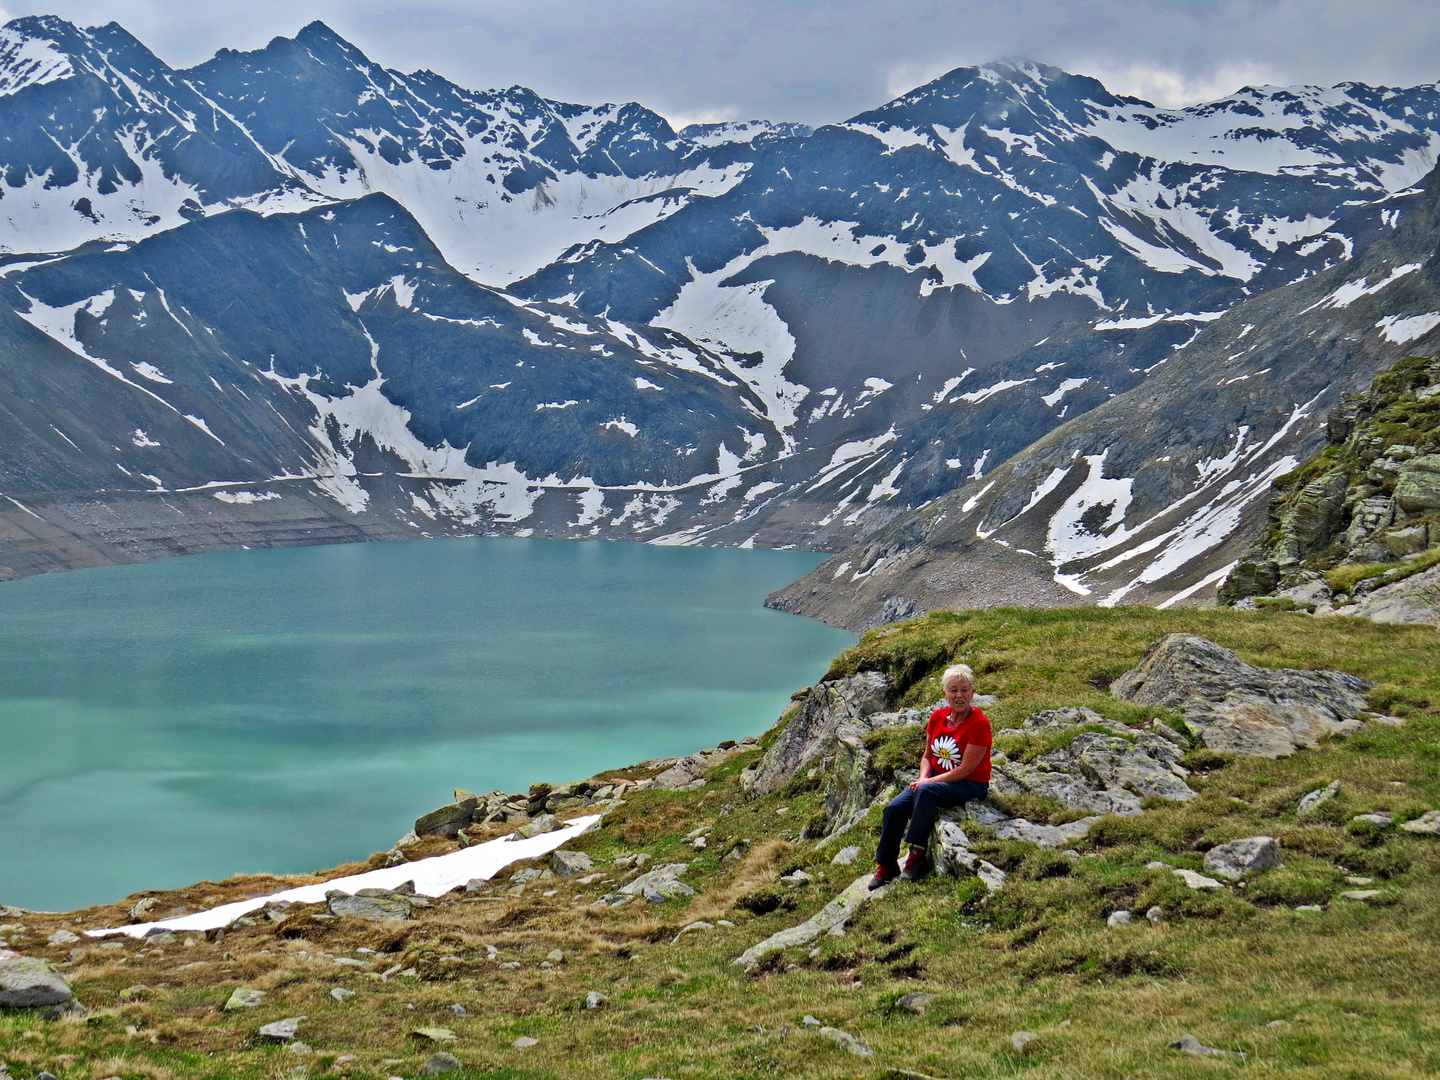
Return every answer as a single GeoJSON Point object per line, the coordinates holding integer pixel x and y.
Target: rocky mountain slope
{"type": "Point", "coordinates": [1228, 796]}
{"type": "Point", "coordinates": [1154, 495]}
{"type": "Point", "coordinates": [1358, 519]}
{"type": "Point", "coordinates": [770, 335]}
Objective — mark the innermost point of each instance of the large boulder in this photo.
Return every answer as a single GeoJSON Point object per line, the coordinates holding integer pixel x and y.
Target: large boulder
{"type": "Point", "coordinates": [851, 778]}
{"type": "Point", "coordinates": [1234, 707]}
{"type": "Point", "coordinates": [28, 983]}
{"type": "Point", "coordinates": [686, 774]}
{"type": "Point", "coordinates": [448, 820]}
{"type": "Point", "coordinates": [1253, 855]}
{"type": "Point", "coordinates": [811, 730]}
{"type": "Point", "coordinates": [1417, 489]}
{"type": "Point", "coordinates": [375, 905]}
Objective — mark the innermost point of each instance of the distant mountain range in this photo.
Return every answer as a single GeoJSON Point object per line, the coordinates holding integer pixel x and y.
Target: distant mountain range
{"type": "Point", "coordinates": [290, 296]}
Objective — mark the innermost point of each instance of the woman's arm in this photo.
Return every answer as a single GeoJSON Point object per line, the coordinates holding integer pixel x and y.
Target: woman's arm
{"type": "Point", "coordinates": [969, 762]}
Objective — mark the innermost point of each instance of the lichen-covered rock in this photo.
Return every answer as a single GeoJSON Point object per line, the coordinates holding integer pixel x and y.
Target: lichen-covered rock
{"type": "Point", "coordinates": [1238, 708]}
{"type": "Point", "coordinates": [1417, 489]}
{"type": "Point", "coordinates": [1252, 855]}
{"type": "Point", "coordinates": [851, 780]}
{"type": "Point", "coordinates": [1312, 801]}
{"type": "Point", "coordinates": [376, 905]}
{"type": "Point", "coordinates": [568, 864]}
{"type": "Point", "coordinates": [810, 731]}
{"type": "Point", "coordinates": [29, 983]}
{"type": "Point", "coordinates": [685, 772]}
{"type": "Point", "coordinates": [448, 820]}
{"type": "Point", "coordinates": [654, 879]}
{"type": "Point", "coordinates": [1073, 790]}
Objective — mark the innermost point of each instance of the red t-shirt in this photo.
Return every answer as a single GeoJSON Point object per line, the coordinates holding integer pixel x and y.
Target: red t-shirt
{"type": "Point", "coordinates": [945, 745]}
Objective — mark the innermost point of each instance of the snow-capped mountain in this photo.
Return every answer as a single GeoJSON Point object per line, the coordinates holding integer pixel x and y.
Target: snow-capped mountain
{"type": "Point", "coordinates": [384, 303]}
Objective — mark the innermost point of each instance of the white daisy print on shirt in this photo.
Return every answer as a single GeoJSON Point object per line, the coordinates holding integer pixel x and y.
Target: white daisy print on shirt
{"type": "Point", "coordinates": [946, 753]}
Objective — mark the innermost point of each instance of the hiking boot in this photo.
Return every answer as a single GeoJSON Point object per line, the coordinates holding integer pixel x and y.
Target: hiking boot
{"type": "Point", "coordinates": [884, 874]}
{"type": "Point", "coordinates": [915, 866]}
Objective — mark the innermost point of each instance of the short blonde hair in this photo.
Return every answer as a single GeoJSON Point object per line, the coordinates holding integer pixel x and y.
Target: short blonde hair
{"type": "Point", "coordinates": [957, 671]}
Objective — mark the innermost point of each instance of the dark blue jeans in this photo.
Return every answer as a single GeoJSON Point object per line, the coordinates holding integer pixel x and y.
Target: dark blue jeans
{"type": "Point", "coordinates": [920, 808]}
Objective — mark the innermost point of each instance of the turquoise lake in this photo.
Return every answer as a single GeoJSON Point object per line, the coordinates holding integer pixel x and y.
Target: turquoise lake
{"type": "Point", "coordinates": [293, 709]}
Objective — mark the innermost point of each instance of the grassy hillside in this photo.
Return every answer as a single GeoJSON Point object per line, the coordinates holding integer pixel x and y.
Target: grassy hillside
{"type": "Point", "coordinates": [1352, 990]}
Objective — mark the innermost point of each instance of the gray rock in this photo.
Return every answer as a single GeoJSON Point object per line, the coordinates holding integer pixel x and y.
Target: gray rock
{"type": "Point", "coordinates": [545, 823]}
{"type": "Point", "coordinates": [1118, 918]}
{"type": "Point", "coordinates": [1071, 716]}
{"type": "Point", "coordinates": [1197, 881]}
{"type": "Point", "coordinates": [654, 879]}
{"type": "Point", "coordinates": [1238, 708]}
{"type": "Point", "coordinates": [685, 772]}
{"type": "Point", "coordinates": [1191, 1045]}
{"type": "Point", "coordinates": [1312, 801]}
{"type": "Point", "coordinates": [1427, 824]}
{"type": "Point", "coordinates": [1046, 836]}
{"type": "Point", "coordinates": [1156, 915]}
{"type": "Point", "coordinates": [62, 937]}
{"type": "Point", "coordinates": [448, 820]}
{"type": "Point", "coordinates": [1253, 855]}
{"type": "Point", "coordinates": [796, 878]}
{"type": "Point", "coordinates": [670, 890]}
{"type": "Point", "coordinates": [281, 1030]}
{"type": "Point", "coordinates": [341, 994]}
{"type": "Point", "coordinates": [375, 905]}
{"type": "Point", "coordinates": [29, 983]}
{"type": "Point", "coordinates": [810, 731]}
{"type": "Point", "coordinates": [1021, 1041]}
{"type": "Point", "coordinates": [1417, 489]}
{"type": "Point", "coordinates": [569, 864]}
{"type": "Point", "coordinates": [440, 1062]}
{"type": "Point", "coordinates": [594, 999]}
{"type": "Point", "coordinates": [830, 919]}
{"type": "Point", "coordinates": [524, 1042]}
{"type": "Point", "coordinates": [160, 937]}
{"type": "Point", "coordinates": [1360, 895]}
{"type": "Point", "coordinates": [847, 855]}
{"type": "Point", "coordinates": [1378, 820]}
{"type": "Point", "coordinates": [847, 1041]}
{"type": "Point", "coordinates": [915, 1003]}
{"type": "Point", "coordinates": [243, 997]}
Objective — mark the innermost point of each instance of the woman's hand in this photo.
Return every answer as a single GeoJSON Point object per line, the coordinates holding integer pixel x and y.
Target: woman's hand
{"type": "Point", "coordinates": [915, 784]}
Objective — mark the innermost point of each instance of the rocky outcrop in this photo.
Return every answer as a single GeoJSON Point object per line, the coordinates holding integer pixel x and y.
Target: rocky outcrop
{"type": "Point", "coordinates": [687, 773]}
{"type": "Point", "coordinates": [1234, 707]}
{"type": "Point", "coordinates": [1372, 496]}
{"type": "Point", "coordinates": [28, 983]}
{"type": "Point", "coordinates": [811, 731]}
{"type": "Point", "coordinates": [1103, 773]}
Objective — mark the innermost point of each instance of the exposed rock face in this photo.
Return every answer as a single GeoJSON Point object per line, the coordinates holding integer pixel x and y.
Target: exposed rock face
{"type": "Point", "coordinates": [1241, 709]}
{"type": "Point", "coordinates": [28, 983]}
{"type": "Point", "coordinates": [568, 864]}
{"type": "Point", "coordinates": [1372, 495]}
{"type": "Point", "coordinates": [377, 905]}
{"type": "Point", "coordinates": [1101, 773]}
{"type": "Point", "coordinates": [811, 731]}
{"type": "Point", "coordinates": [448, 820]}
{"type": "Point", "coordinates": [1234, 860]}
{"type": "Point", "coordinates": [654, 880]}
{"type": "Point", "coordinates": [685, 774]}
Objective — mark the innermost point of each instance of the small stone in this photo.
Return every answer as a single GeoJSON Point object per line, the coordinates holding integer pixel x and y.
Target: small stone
{"type": "Point", "coordinates": [435, 1034]}
{"type": "Point", "coordinates": [845, 856]}
{"type": "Point", "coordinates": [915, 1003]}
{"type": "Point", "coordinates": [796, 878]}
{"type": "Point", "coordinates": [524, 1042]}
{"type": "Point", "coordinates": [569, 864]}
{"type": "Point", "coordinates": [160, 937]}
{"type": "Point", "coordinates": [281, 1030]}
{"type": "Point", "coordinates": [1191, 1045]}
{"type": "Point", "coordinates": [1427, 824]}
{"type": "Point", "coordinates": [62, 937]}
{"type": "Point", "coordinates": [143, 908]}
{"type": "Point", "coordinates": [723, 922]}
{"type": "Point", "coordinates": [1118, 918]}
{"type": "Point", "coordinates": [1312, 801]}
{"type": "Point", "coordinates": [243, 997]}
{"type": "Point", "coordinates": [1276, 1025]}
{"type": "Point", "coordinates": [594, 999]}
{"type": "Point", "coordinates": [297, 1047]}
{"type": "Point", "coordinates": [384, 907]}
{"type": "Point", "coordinates": [810, 1021]}
{"type": "Point", "coordinates": [1309, 907]}
{"type": "Point", "coordinates": [341, 994]}
{"type": "Point", "coordinates": [1253, 855]}
{"type": "Point", "coordinates": [555, 956]}
{"type": "Point", "coordinates": [438, 1063]}
{"type": "Point", "coordinates": [511, 965]}
{"type": "Point", "coordinates": [1378, 820]}
{"type": "Point", "coordinates": [1360, 895]}
{"type": "Point", "coordinates": [545, 823]}
{"type": "Point", "coordinates": [847, 1041]}
{"type": "Point", "coordinates": [1355, 880]}
{"type": "Point", "coordinates": [1197, 881]}
{"type": "Point", "coordinates": [459, 1010]}
{"type": "Point", "coordinates": [1156, 864]}
{"type": "Point", "coordinates": [1156, 915]}
{"type": "Point", "coordinates": [1021, 1041]}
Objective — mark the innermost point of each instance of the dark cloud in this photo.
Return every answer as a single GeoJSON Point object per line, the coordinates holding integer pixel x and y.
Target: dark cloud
{"type": "Point", "coordinates": [816, 61]}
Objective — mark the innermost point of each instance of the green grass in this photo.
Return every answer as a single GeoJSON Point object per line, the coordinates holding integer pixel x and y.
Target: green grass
{"type": "Point", "coordinates": [1355, 987]}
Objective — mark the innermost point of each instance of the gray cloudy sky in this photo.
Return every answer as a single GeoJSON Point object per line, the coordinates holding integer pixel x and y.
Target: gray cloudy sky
{"type": "Point", "coordinates": [813, 60]}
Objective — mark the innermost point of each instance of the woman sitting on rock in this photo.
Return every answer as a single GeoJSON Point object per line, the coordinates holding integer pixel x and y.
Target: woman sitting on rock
{"type": "Point", "coordinates": [954, 768]}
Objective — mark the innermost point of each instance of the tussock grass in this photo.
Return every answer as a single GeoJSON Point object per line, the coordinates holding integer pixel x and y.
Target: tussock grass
{"type": "Point", "coordinates": [1354, 986]}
